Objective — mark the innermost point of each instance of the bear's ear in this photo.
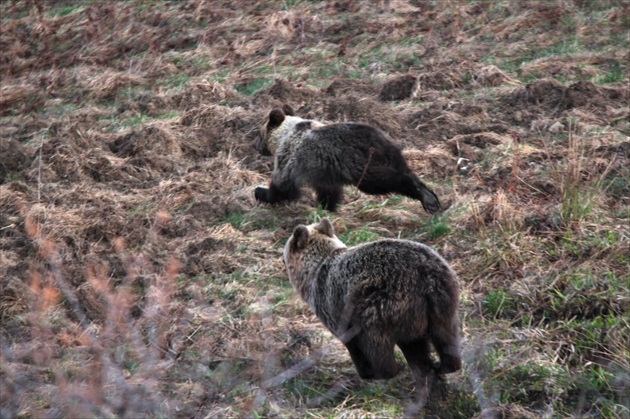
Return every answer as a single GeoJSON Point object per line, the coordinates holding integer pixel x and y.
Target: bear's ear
{"type": "Point", "coordinates": [300, 238]}
{"type": "Point", "coordinates": [326, 227]}
{"type": "Point", "coordinates": [288, 110]}
{"type": "Point", "coordinates": [276, 117]}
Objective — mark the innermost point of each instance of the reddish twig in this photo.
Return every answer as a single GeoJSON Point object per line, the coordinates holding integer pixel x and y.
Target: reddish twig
{"type": "Point", "coordinates": [366, 166]}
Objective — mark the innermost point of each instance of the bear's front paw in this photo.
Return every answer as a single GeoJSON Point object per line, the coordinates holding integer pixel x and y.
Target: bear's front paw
{"type": "Point", "coordinates": [261, 194]}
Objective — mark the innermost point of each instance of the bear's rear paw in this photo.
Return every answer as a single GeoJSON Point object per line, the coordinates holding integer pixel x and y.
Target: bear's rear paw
{"type": "Point", "coordinates": [261, 194]}
{"type": "Point", "coordinates": [430, 201]}
{"type": "Point", "coordinates": [448, 365]}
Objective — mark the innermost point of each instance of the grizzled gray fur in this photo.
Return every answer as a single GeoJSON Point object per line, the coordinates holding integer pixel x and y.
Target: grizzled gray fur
{"type": "Point", "coordinates": [377, 295]}
{"type": "Point", "coordinates": [327, 157]}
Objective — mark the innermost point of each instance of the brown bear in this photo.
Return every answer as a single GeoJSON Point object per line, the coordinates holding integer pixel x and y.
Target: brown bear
{"type": "Point", "coordinates": [327, 157]}
{"type": "Point", "coordinates": [377, 295]}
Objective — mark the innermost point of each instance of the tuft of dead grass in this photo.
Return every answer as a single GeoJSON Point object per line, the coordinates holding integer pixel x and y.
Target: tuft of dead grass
{"type": "Point", "coordinates": [106, 83]}
{"type": "Point", "coordinates": [20, 98]}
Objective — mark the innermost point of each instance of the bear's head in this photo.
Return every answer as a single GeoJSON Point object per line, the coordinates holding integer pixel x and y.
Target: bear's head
{"type": "Point", "coordinates": [307, 247]}
{"type": "Point", "coordinates": [281, 125]}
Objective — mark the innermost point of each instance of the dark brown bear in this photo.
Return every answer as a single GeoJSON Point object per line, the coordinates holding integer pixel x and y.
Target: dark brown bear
{"type": "Point", "coordinates": [327, 157]}
{"type": "Point", "coordinates": [377, 295]}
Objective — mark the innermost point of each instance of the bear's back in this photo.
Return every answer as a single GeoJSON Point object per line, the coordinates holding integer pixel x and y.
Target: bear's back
{"type": "Point", "coordinates": [385, 258]}
{"type": "Point", "coordinates": [347, 138]}
{"type": "Point", "coordinates": [389, 281]}
{"type": "Point", "coordinates": [339, 153]}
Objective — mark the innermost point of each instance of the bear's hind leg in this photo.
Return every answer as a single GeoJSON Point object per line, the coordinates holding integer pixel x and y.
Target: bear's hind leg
{"type": "Point", "coordinates": [413, 187]}
{"type": "Point", "coordinates": [445, 339]}
{"type": "Point", "coordinates": [383, 361]}
{"type": "Point", "coordinates": [361, 363]}
{"type": "Point", "coordinates": [418, 356]}
{"type": "Point", "coordinates": [373, 360]}
{"type": "Point", "coordinates": [380, 355]}
{"type": "Point", "coordinates": [275, 194]}
{"type": "Point", "coordinates": [329, 196]}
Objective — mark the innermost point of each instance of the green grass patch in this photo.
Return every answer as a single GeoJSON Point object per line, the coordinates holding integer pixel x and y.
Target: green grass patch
{"type": "Point", "coordinates": [354, 237]}
{"type": "Point", "coordinates": [256, 220]}
{"type": "Point", "coordinates": [65, 10]}
{"type": "Point", "coordinates": [436, 227]}
{"type": "Point", "coordinates": [567, 46]}
{"type": "Point", "coordinates": [616, 186]}
{"type": "Point", "coordinates": [136, 120]}
{"type": "Point", "coordinates": [251, 86]}
{"type": "Point", "coordinates": [499, 304]}
{"type": "Point", "coordinates": [325, 70]}
{"type": "Point", "coordinates": [532, 384]}
{"type": "Point", "coordinates": [12, 177]}
{"type": "Point", "coordinates": [614, 73]}
{"type": "Point", "coordinates": [236, 219]}
{"type": "Point", "coordinates": [459, 404]}
{"type": "Point", "coordinates": [176, 81]}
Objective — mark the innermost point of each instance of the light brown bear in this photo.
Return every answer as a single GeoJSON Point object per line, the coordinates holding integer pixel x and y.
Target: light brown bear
{"type": "Point", "coordinates": [377, 295]}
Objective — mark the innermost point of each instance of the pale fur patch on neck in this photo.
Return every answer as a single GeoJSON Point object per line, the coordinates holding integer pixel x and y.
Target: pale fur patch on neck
{"type": "Point", "coordinates": [284, 131]}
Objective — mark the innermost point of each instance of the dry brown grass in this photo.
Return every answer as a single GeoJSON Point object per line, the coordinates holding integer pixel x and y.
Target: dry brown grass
{"type": "Point", "coordinates": [139, 277]}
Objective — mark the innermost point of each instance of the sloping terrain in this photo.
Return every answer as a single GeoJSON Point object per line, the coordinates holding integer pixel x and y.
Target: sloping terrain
{"type": "Point", "coordinates": [139, 277]}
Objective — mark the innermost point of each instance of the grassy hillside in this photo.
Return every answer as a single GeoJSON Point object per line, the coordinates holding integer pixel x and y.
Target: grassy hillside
{"type": "Point", "coordinates": [139, 277]}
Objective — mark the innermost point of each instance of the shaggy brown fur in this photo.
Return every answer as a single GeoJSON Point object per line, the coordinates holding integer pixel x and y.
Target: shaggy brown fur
{"type": "Point", "coordinates": [377, 295]}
